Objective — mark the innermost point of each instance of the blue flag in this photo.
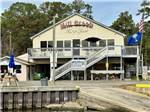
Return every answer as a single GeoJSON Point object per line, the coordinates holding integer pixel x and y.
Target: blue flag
{"type": "Point", "coordinates": [11, 61]}
{"type": "Point", "coordinates": [135, 38]}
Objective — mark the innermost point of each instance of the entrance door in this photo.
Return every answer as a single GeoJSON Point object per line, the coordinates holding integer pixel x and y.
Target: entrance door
{"type": "Point", "coordinates": [76, 46]}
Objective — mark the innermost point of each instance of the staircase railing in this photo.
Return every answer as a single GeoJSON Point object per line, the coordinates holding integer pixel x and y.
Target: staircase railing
{"type": "Point", "coordinates": [96, 57]}
{"type": "Point", "coordinates": [63, 68]}
{"type": "Point", "coordinates": [80, 64]}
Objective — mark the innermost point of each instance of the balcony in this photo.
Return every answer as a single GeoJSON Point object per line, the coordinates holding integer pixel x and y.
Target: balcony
{"type": "Point", "coordinates": [125, 51]}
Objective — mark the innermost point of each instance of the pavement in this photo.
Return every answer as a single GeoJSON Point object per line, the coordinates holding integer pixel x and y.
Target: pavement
{"type": "Point", "coordinates": [107, 91]}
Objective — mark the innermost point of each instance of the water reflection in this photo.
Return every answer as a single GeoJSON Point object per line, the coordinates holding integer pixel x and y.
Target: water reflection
{"type": "Point", "coordinates": [47, 110]}
{"type": "Point", "coordinates": [42, 110]}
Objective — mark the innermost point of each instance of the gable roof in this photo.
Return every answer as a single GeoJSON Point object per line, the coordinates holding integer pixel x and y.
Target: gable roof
{"type": "Point", "coordinates": [98, 23]}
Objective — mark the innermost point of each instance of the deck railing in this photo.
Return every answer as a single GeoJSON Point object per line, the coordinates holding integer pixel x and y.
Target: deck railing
{"type": "Point", "coordinates": [82, 51]}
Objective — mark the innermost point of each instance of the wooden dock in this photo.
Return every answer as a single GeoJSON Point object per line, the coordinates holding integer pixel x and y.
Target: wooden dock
{"type": "Point", "coordinates": [35, 97]}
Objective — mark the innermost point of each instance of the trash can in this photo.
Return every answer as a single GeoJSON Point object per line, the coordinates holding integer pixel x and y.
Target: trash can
{"type": "Point", "coordinates": [44, 82]}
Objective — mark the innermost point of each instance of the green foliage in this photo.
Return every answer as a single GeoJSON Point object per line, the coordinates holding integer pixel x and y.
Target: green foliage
{"type": "Point", "coordinates": [24, 20]}
{"type": "Point", "coordinates": [79, 6]}
{"type": "Point", "coordinates": [145, 9]}
{"type": "Point", "coordinates": [146, 43]}
{"type": "Point", "coordinates": [124, 24]}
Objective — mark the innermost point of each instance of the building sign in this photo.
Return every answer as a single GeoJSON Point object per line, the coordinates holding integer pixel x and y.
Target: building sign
{"type": "Point", "coordinates": [76, 23]}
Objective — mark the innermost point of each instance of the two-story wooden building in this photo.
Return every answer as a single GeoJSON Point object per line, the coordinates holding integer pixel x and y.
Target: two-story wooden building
{"type": "Point", "coordinates": [84, 50]}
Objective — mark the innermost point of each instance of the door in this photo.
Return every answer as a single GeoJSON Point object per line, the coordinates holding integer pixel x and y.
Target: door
{"type": "Point", "coordinates": [76, 47]}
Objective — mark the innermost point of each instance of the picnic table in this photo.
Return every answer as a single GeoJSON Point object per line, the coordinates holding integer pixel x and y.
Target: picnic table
{"type": "Point", "coordinates": [9, 81]}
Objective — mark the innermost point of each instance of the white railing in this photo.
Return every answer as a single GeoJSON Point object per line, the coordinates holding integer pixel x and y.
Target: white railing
{"type": "Point", "coordinates": [80, 64]}
{"type": "Point", "coordinates": [63, 68]}
{"type": "Point", "coordinates": [82, 52]}
{"type": "Point", "coordinates": [97, 56]}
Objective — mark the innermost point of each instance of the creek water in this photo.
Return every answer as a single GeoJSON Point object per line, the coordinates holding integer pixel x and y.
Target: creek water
{"type": "Point", "coordinates": [47, 110]}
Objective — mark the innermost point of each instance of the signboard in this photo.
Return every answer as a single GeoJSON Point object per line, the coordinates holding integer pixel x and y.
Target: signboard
{"type": "Point", "coordinates": [76, 23]}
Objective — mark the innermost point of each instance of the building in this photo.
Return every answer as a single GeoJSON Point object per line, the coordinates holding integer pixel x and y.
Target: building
{"type": "Point", "coordinates": [84, 50]}
{"type": "Point", "coordinates": [22, 67]}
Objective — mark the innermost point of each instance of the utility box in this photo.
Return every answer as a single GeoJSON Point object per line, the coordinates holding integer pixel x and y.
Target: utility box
{"type": "Point", "coordinates": [44, 81]}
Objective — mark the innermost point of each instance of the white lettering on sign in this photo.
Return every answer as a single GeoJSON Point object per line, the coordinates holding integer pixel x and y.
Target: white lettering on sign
{"type": "Point", "coordinates": [76, 23]}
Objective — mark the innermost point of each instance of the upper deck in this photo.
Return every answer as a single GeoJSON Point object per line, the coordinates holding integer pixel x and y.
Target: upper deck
{"type": "Point", "coordinates": [83, 52]}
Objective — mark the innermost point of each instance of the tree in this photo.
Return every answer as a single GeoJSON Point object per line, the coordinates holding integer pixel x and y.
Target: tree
{"type": "Point", "coordinates": [145, 9]}
{"type": "Point", "coordinates": [23, 20]}
{"type": "Point", "coordinates": [50, 9]}
{"type": "Point", "coordinates": [146, 43]}
{"type": "Point", "coordinates": [124, 24]}
{"type": "Point", "coordinates": [79, 6]}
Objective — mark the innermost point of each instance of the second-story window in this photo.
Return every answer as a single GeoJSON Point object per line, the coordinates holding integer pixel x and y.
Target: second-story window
{"type": "Point", "coordinates": [50, 44]}
{"type": "Point", "coordinates": [92, 44]}
{"type": "Point", "coordinates": [111, 43]}
{"type": "Point", "coordinates": [43, 44]}
{"type": "Point", "coordinates": [84, 43]}
{"type": "Point", "coordinates": [67, 44]}
{"type": "Point", "coordinates": [60, 45]}
{"type": "Point", "coordinates": [102, 43]}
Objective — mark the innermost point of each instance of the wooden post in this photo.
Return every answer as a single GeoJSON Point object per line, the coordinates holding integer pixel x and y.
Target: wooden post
{"type": "Point", "coordinates": [65, 96]}
{"type": "Point", "coordinates": [1, 100]}
{"type": "Point", "coordinates": [29, 105]}
{"type": "Point", "coordinates": [57, 97]}
{"type": "Point", "coordinates": [137, 68]}
{"type": "Point", "coordinates": [72, 75]}
{"type": "Point", "coordinates": [20, 97]}
{"type": "Point", "coordinates": [10, 100]}
{"type": "Point", "coordinates": [39, 99]}
{"type": "Point", "coordinates": [85, 75]}
{"type": "Point", "coordinates": [48, 97]}
{"type": "Point", "coordinates": [91, 77]}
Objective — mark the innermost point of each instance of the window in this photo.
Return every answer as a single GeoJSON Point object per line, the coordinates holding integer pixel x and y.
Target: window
{"type": "Point", "coordinates": [50, 44]}
{"type": "Point", "coordinates": [111, 43]}
{"type": "Point", "coordinates": [92, 44]}
{"type": "Point", "coordinates": [43, 44]}
{"type": "Point", "coordinates": [67, 43]}
{"type": "Point", "coordinates": [18, 68]}
{"type": "Point", "coordinates": [59, 44]}
{"type": "Point", "coordinates": [4, 67]}
{"type": "Point", "coordinates": [76, 43]}
{"type": "Point", "coordinates": [102, 43]}
{"type": "Point", "coordinates": [84, 43]}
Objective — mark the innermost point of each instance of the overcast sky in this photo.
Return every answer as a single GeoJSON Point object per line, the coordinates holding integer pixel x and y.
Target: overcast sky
{"type": "Point", "coordinates": [104, 11]}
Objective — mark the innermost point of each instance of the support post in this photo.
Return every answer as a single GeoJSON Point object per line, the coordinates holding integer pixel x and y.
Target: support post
{"type": "Point", "coordinates": [107, 66]}
{"type": "Point", "coordinates": [121, 69]}
{"type": "Point", "coordinates": [137, 68]}
{"type": "Point", "coordinates": [72, 76]}
{"type": "Point", "coordinates": [91, 77]}
{"type": "Point", "coordinates": [85, 75]}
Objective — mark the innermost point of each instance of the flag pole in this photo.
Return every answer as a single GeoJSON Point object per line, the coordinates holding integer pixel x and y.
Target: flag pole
{"type": "Point", "coordinates": [140, 47]}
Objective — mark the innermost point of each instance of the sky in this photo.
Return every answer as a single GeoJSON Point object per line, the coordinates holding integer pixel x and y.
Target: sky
{"type": "Point", "coordinates": [104, 11]}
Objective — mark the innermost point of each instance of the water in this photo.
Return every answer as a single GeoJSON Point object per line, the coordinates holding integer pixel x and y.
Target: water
{"type": "Point", "coordinates": [47, 110]}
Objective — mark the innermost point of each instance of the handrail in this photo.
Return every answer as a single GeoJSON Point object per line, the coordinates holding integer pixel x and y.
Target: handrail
{"type": "Point", "coordinates": [62, 67]}
{"type": "Point", "coordinates": [98, 52]}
